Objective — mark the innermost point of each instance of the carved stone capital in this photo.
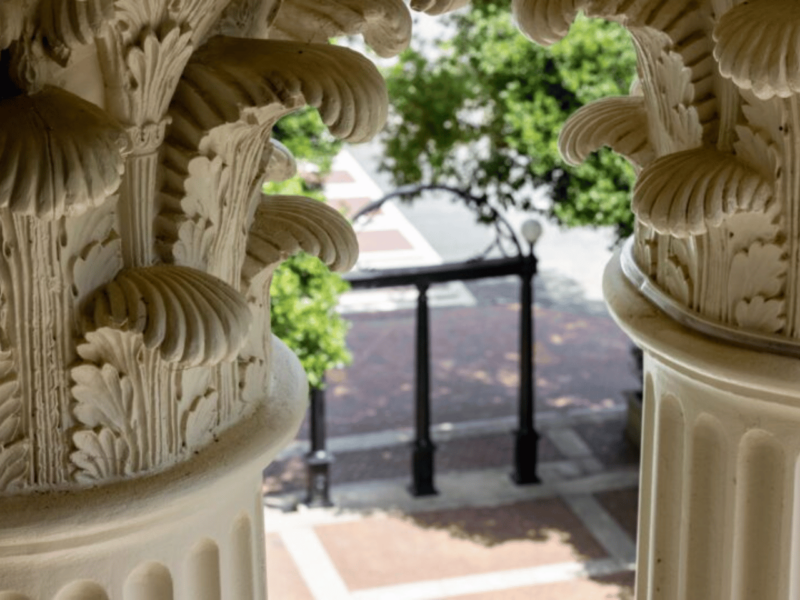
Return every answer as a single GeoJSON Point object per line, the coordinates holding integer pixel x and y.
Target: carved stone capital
{"type": "Point", "coordinates": [709, 287]}
{"type": "Point", "coordinates": [136, 355]}
{"type": "Point", "coordinates": [713, 129]}
{"type": "Point", "coordinates": [719, 459]}
{"type": "Point", "coordinates": [134, 313]}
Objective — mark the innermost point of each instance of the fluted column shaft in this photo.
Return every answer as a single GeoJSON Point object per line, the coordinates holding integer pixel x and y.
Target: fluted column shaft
{"type": "Point", "coordinates": [194, 532]}
{"type": "Point", "coordinates": [720, 491]}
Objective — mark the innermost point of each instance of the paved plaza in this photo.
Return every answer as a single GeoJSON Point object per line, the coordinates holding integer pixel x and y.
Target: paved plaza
{"type": "Point", "coordinates": [482, 537]}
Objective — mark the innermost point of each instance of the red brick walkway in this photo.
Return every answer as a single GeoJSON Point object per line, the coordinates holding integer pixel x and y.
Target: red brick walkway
{"type": "Point", "coordinates": [482, 537]}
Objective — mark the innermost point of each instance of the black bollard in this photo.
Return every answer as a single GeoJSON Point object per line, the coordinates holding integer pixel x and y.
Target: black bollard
{"type": "Point", "coordinates": [318, 460]}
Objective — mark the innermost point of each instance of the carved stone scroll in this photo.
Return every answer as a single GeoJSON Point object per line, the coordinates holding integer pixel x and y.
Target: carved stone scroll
{"type": "Point", "coordinates": [193, 319]}
{"type": "Point", "coordinates": [385, 24]}
{"type": "Point", "coordinates": [687, 192]}
{"type": "Point", "coordinates": [60, 155]}
{"type": "Point", "coordinates": [620, 123]}
{"type": "Point", "coordinates": [285, 225]}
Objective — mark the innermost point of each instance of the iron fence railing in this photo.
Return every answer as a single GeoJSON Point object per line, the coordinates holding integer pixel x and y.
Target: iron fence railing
{"type": "Point", "coordinates": [423, 449]}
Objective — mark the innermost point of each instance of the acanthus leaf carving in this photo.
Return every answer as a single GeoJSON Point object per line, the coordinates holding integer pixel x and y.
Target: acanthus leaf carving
{"type": "Point", "coordinates": [228, 77]}
{"type": "Point", "coordinates": [109, 407]}
{"type": "Point", "coordinates": [116, 390]}
{"type": "Point", "coordinates": [198, 407]}
{"type": "Point", "coordinates": [195, 239]}
{"type": "Point", "coordinates": [645, 248]}
{"type": "Point", "coordinates": [756, 149]}
{"type": "Point", "coordinates": [60, 155]}
{"type": "Point", "coordinates": [385, 24]}
{"type": "Point", "coordinates": [192, 318]}
{"type": "Point", "coordinates": [10, 402]}
{"type": "Point", "coordinates": [99, 262]}
{"type": "Point", "coordinates": [10, 407]}
{"type": "Point", "coordinates": [201, 420]}
{"type": "Point", "coordinates": [679, 125]}
{"type": "Point", "coordinates": [678, 273]}
{"type": "Point", "coordinates": [757, 47]}
{"type": "Point", "coordinates": [619, 122]}
{"type": "Point", "coordinates": [438, 7]}
{"type": "Point", "coordinates": [686, 192]}
{"type": "Point", "coordinates": [231, 94]}
{"type": "Point", "coordinates": [187, 227]}
{"type": "Point", "coordinates": [14, 466]}
{"type": "Point", "coordinates": [758, 271]}
{"type": "Point", "coordinates": [759, 314]}
{"type": "Point", "coordinates": [104, 397]}
{"type": "Point", "coordinates": [14, 445]}
{"type": "Point", "coordinates": [94, 250]}
{"type": "Point", "coordinates": [100, 456]}
{"type": "Point", "coordinates": [284, 225]}
{"type": "Point", "coordinates": [756, 286]}
{"type": "Point", "coordinates": [154, 67]}
{"type": "Point", "coordinates": [221, 186]}
{"type": "Point", "coordinates": [68, 23]}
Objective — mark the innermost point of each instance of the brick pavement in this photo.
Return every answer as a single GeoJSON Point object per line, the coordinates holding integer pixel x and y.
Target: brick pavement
{"type": "Point", "coordinates": [482, 537]}
{"type": "Point", "coordinates": [581, 362]}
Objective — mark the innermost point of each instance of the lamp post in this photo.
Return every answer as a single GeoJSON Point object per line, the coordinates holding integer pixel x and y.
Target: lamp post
{"type": "Point", "coordinates": [526, 437]}
{"type": "Point", "coordinates": [423, 447]}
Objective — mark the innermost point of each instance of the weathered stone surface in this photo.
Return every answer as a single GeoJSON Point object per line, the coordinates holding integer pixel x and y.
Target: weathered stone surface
{"type": "Point", "coordinates": [714, 128]}
{"type": "Point", "coordinates": [136, 358]}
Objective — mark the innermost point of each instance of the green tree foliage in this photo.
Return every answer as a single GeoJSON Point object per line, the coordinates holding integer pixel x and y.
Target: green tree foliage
{"type": "Point", "coordinates": [484, 113]}
{"type": "Point", "coordinates": [304, 293]}
{"type": "Point", "coordinates": [305, 135]}
{"type": "Point", "coordinates": [304, 297]}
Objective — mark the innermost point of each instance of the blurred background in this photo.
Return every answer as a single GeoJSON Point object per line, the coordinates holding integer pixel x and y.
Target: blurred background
{"type": "Point", "coordinates": [469, 156]}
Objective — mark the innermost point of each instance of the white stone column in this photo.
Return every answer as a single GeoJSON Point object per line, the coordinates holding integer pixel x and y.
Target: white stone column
{"type": "Point", "coordinates": [141, 390]}
{"type": "Point", "coordinates": [719, 503]}
{"type": "Point", "coordinates": [709, 286]}
{"type": "Point", "coordinates": [194, 532]}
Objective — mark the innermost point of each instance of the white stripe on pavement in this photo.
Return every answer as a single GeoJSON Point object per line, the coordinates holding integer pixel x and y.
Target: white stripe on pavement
{"type": "Point", "coordinates": [314, 564]}
{"type": "Point", "coordinates": [614, 539]}
{"type": "Point", "coordinates": [491, 582]}
{"type": "Point", "coordinates": [568, 442]}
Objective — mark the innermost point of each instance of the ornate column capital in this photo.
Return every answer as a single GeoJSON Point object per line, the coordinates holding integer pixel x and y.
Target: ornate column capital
{"type": "Point", "coordinates": [136, 254]}
{"type": "Point", "coordinates": [131, 338]}
{"type": "Point", "coordinates": [712, 128]}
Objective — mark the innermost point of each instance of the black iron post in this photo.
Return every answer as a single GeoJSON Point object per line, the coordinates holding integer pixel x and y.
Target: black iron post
{"type": "Point", "coordinates": [318, 460]}
{"type": "Point", "coordinates": [423, 447]}
{"type": "Point", "coordinates": [526, 437]}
